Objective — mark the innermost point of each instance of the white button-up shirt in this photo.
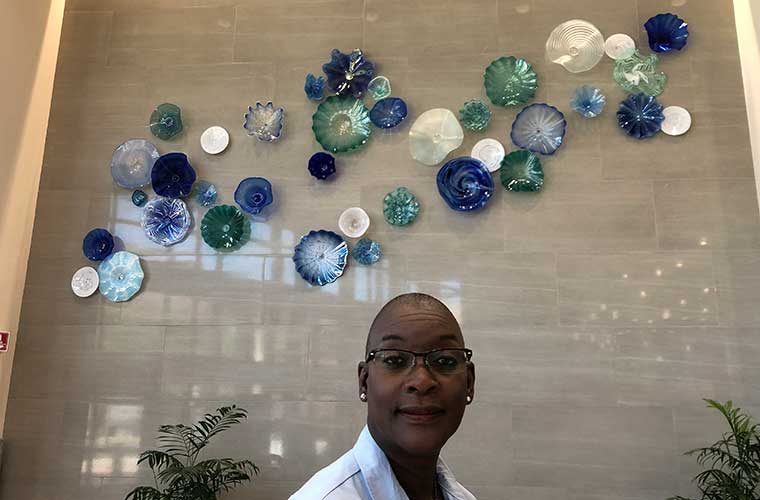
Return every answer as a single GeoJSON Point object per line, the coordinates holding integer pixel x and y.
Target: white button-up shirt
{"type": "Point", "coordinates": [364, 473]}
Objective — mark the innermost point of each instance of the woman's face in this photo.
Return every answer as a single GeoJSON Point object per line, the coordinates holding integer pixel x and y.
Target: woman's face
{"type": "Point", "coordinates": [416, 411]}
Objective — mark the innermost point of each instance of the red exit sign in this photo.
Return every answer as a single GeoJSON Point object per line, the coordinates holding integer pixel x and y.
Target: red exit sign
{"type": "Point", "coordinates": [4, 341]}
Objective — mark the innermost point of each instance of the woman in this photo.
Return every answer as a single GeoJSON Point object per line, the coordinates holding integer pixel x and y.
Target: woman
{"type": "Point", "coordinates": [416, 379]}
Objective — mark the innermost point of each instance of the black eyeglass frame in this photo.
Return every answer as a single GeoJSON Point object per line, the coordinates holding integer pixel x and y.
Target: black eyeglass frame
{"type": "Point", "coordinates": [467, 354]}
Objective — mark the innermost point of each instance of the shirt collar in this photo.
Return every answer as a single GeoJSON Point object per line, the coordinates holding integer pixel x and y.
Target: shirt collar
{"type": "Point", "coordinates": [382, 482]}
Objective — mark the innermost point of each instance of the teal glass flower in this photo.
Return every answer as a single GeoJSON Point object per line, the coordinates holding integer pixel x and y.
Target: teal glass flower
{"type": "Point", "coordinates": [366, 251]}
{"type": "Point", "coordinates": [341, 124]}
{"type": "Point", "coordinates": [225, 228]}
{"type": "Point", "coordinates": [121, 276]}
{"type": "Point", "coordinates": [400, 207]}
{"type": "Point", "coordinates": [475, 115]}
{"type": "Point", "coordinates": [521, 171]}
{"type": "Point", "coordinates": [510, 81]}
{"type": "Point", "coordinates": [139, 197]}
{"type": "Point", "coordinates": [166, 121]}
{"type": "Point", "coordinates": [639, 74]}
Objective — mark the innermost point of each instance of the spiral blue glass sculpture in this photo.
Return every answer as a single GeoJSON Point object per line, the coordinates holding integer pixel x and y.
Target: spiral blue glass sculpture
{"type": "Point", "coordinates": [539, 128]}
{"type": "Point", "coordinates": [166, 221]}
{"type": "Point", "coordinates": [667, 32]}
{"type": "Point", "coordinates": [253, 194]}
{"type": "Point", "coordinates": [172, 176]}
{"type": "Point", "coordinates": [465, 183]}
{"type": "Point", "coordinates": [640, 116]}
{"type": "Point", "coordinates": [320, 257]}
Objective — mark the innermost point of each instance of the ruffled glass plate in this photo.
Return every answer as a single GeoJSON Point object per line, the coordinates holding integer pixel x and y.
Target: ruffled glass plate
{"type": "Point", "coordinates": [254, 194]}
{"type": "Point", "coordinates": [132, 162]}
{"type": "Point", "coordinates": [320, 257]}
{"type": "Point", "coordinates": [400, 207]}
{"type": "Point", "coordinates": [388, 112]}
{"type": "Point", "coordinates": [353, 222]}
{"type": "Point", "coordinates": [341, 124]}
{"type": "Point", "coordinates": [348, 73]}
{"type": "Point", "coordinates": [225, 228]}
{"type": "Point", "coordinates": [577, 45]}
{"type": "Point", "coordinates": [490, 152]}
{"type": "Point", "coordinates": [639, 74]}
{"type": "Point", "coordinates": [322, 165]}
{"type": "Point", "coordinates": [120, 276]}
{"type": "Point", "coordinates": [97, 244]}
{"type": "Point", "coordinates": [366, 251]}
{"type": "Point", "coordinates": [465, 183]}
{"type": "Point", "coordinates": [539, 128]}
{"type": "Point", "coordinates": [264, 122]}
{"type": "Point", "coordinates": [314, 87]}
{"type": "Point", "coordinates": [204, 193]}
{"type": "Point", "coordinates": [434, 135]}
{"type": "Point", "coordinates": [172, 176]}
{"type": "Point", "coordinates": [475, 115]}
{"type": "Point", "coordinates": [85, 281]}
{"type": "Point", "coordinates": [640, 116]}
{"type": "Point", "coordinates": [379, 88]}
{"type": "Point", "coordinates": [166, 121]}
{"type": "Point", "coordinates": [521, 171]}
{"type": "Point", "coordinates": [166, 221]}
{"type": "Point", "coordinates": [666, 32]}
{"type": "Point", "coordinates": [509, 81]}
{"type": "Point", "coordinates": [588, 101]}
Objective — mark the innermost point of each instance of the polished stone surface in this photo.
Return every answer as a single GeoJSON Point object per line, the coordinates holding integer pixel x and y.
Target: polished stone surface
{"type": "Point", "coordinates": [601, 310]}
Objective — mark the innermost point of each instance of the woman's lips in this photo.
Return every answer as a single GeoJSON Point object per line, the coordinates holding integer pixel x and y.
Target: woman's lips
{"type": "Point", "coordinates": [421, 414]}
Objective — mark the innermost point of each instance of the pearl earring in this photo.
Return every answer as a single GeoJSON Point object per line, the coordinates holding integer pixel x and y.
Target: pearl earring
{"type": "Point", "coordinates": [363, 396]}
{"type": "Point", "coordinates": [469, 399]}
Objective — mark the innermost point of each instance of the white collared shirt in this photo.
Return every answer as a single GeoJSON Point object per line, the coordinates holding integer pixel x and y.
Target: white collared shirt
{"type": "Point", "coordinates": [364, 473]}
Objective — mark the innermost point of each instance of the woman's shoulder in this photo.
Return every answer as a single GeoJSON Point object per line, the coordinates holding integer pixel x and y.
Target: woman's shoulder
{"type": "Point", "coordinates": [338, 481]}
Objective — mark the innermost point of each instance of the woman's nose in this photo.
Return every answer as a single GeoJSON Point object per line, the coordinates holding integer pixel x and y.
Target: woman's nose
{"type": "Point", "coordinates": [420, 379]}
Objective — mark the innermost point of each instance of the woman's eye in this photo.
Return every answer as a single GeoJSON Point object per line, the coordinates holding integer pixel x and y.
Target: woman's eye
{"type": "Point", "coordinates": [393, 361]}
{"type": "Point", "coordinates": [447, 361]}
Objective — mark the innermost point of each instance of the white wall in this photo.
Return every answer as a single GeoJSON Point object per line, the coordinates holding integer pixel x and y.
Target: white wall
{"type": "Point", "coordinates": [30, 31]}
{"type": "Point", "coordinates": [747, 13]}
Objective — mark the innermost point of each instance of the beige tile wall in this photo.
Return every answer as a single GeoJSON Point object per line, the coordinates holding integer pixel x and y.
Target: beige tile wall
{"type": "Point", "coordinates": [601, 310]}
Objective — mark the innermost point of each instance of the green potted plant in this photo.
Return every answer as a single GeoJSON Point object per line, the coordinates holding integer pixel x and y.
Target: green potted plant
{"type": "Point", "coordinates": [733, 462]}
{"type": "Point", "coordinates": [178, 473]}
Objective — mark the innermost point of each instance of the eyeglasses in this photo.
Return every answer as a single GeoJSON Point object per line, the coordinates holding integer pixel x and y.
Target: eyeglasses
{"type": "Point", "coordinates": [442, 361]}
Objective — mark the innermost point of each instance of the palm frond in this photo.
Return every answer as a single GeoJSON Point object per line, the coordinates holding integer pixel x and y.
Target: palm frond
{"type": "Point", "coordinates": [212, 424]}
{"type": "Point", "coordinates": [146, 493]}
{"type": "Point", "coordinates": [177, 440]}
{"type": "Point", "coordinates": [158, 460]}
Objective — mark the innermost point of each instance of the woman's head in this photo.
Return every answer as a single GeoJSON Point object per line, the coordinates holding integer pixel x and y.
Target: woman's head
{"type": "Point", "coordinates": [415, 403]}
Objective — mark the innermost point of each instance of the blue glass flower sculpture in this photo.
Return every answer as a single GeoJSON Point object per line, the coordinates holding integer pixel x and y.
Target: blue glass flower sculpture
{"type": "Point", "coordinates": [97, 244]}
{"type": "Point", "coordinates": [172, 176]}
{"type": "Point", "coordinates": [640, 115]}
{"type": "Point", "coordinates": [539, 128]}
{"type": "Point", "coordinates": [166, 121]}
{"type": "Point", "coordinates": [400, 207]}
{"type": "Point", "coordinates": [204, 193]}
{"type": "Point", "coordinates": [166, 221]}
{"type": "Point", "coordinates": [132, 162]}
{"type": "Point", "coordinates": [341, 124]}
{"type": "Point", "coordinates": [667, 32]}
{"type": "Point", "coordinates": [366, 251]}
{"type": "Point", "coordinates": [121, 276]}
{"type": "Point", "coordinates": [314, 87]}
{"type": "Point", "coordinates": [264, 122]}
{"type": "Point", "coordinates": [588, 101]}
{"type": "Point", "coordinates": [253, 194]}
{"type": "Point", "coordinates": [465, 183]}
{"type": "Point", "coordinates": [320, 257]}
{"type": "Point", "coordinates": [139, 197]}
{"type": "Point", "coordinates": [322, 165]}
{"type": "Point", "coordinates": [225, 228]}
{"type": "Point", "coordinates": [388, 112]}
{"type": "Point", "coordinates": [348, 73]}
{"type": "Point", "coordinates": [521, 171]}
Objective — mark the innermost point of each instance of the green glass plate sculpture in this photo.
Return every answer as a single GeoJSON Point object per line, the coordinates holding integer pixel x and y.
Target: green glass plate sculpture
{"type": "Point", "coordinates": [639, 74]}
{"type": "Point", "coordinates": [225, 228]}
{"type": "Point", "coordinates": [341, 124]}
{"type": "Point", "coordinates": [400, 207]}
{"type": "Point", "coordinates": [510, 81]}
{"type": "Point", "coordinates": [521, 171]}
{"type": "Point", "coordinates": [166, 121]}
{"type": "Point", "coordinates": [475, 115]}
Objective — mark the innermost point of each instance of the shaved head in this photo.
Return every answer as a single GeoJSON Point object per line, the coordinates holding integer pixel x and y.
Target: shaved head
{"type": "Point", "coordinates": [411, 304]}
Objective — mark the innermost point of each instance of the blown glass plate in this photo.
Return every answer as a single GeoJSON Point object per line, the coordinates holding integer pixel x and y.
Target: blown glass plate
{"type": "Point", "coordinates": [465, 183]}
{"type": "Point", "coordinates": [434, 134]}
{"type": "Point", "coordinates": [576, 45]}
{"type": "Point", "coordinates": [85, 282]}
{"type": "Point", "coordinates": [172, 176]}
{"type": "Point", "coordinates": [639, 74]}
{"type": "Point", "coordinates": [322, 165]}
{"type": "Point", "coordinates": [139, 197]}
{"type": "Point", "coordinates": [166, 121]}
{"type": "Point", "coordinates": [490, 152]}
{"type": "Point", "coordinates": [264, 122]}
{"type": "Point", "coordinates": [388, 112]}
{"type": "Point", "coordinates": [539, 128]}
{"type": "Point", "coordinates": [353, 222]}
{"type": "Point", "coordinates": [475, 115]}
{"type": "Point", "coordinates": [166, 221]}
{"type": "Point", "coordinates": [254, 194]}
{"type": "Point", "coordinates": [521, 171]}
{"type": "Point", "coordinates": [204, 193]}
{"type": "Point", "coordinates": [97, 244]}
{"type": "Point", "coordinates": [225, 228]}
{"type": "Point", "coordinates": [509, 81]}
{"type": "Point", "coordinates": [379, 88]}
{"type": "Point", "coordinates": [320, 257]}
{"type": "Point", "coordinates": [314, 87]}
{"type": "Point", "coordinates": [120, 276]}
{"type": "Point", "coordinates": [366, 251]}
{"type": "Point", "coordinates": [640, 116]}
{"type": "Point", "coordinates": [619, 46]}
{"type": "Point", "coordinates": [341, 124]}
{"type": "Point", "coordinates": [348, 73]}
{"type": "Point", "coordinates": [666, 32]}
{"type": "Point", "coordinates": [588, 101]}
{"type": "Point", "coordinates": [132, 162]}
{"type": "Point", "coordinates": [400, 207]}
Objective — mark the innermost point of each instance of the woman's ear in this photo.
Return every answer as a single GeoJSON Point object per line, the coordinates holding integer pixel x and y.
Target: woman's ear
{"type": "Point", "coordinates": [362, 373]}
